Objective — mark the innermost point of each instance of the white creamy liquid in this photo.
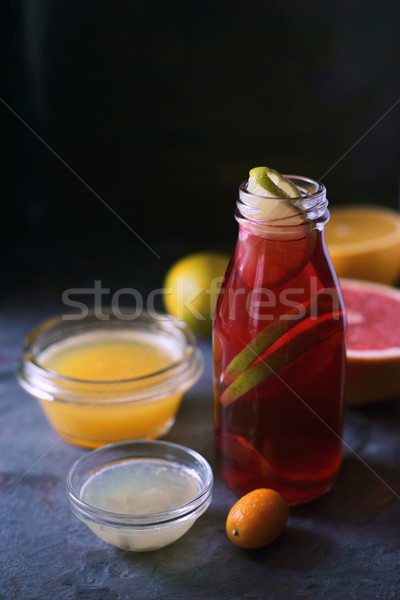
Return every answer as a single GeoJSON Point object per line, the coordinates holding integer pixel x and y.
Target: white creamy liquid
{"type": "Point", "coordinates": [141, 487]}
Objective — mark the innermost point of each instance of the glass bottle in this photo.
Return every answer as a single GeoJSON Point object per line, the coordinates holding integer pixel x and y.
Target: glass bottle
{"type": "Point", "coordinates": [279, 350]}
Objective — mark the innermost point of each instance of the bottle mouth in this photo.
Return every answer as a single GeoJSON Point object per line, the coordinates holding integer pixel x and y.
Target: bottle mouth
{"type": "Point", "coordinates": [310, 210]}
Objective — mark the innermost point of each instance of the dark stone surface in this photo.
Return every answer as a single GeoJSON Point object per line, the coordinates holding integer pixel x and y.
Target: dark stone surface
{"type": "Point", "coordinates": [344, 545]}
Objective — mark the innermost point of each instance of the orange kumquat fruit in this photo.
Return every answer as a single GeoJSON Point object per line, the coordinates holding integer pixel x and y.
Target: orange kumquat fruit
{"type": "Point", "coordinates": [257, 519]}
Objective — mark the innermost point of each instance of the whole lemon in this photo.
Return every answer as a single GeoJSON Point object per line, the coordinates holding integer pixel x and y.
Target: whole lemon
{"type": "Point", "coordinates": [191, 288]}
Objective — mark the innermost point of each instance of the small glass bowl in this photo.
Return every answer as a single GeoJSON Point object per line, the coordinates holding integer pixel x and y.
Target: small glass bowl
{"type": "Point", "coordinates": [138, 532]}
{"type": "Point", "coordinates": [94, 413]}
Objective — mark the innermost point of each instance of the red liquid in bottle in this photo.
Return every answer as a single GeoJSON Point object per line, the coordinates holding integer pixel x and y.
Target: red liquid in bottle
{"type": "Point", "coordinates": [285, 432]}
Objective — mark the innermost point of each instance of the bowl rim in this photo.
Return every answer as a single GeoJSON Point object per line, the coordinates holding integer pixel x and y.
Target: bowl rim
{"type": "Point", "coordinates": [47, 384]}
{"type": "Point", "coordinates": [163, 450]}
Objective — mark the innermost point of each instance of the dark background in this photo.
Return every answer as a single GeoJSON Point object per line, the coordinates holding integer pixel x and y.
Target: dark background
{"type": "Point", "coordinates": [161, 107]}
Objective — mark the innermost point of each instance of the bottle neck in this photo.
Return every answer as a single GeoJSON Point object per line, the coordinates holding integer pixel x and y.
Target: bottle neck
{"type": "Point", "coordinates": [284, 218]}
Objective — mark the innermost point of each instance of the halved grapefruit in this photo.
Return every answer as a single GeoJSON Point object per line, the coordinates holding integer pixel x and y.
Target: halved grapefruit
{"type": "Point", "coordinates": [373, 341]}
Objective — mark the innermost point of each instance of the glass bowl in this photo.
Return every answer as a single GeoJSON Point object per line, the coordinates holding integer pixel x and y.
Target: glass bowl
{"type": "Point", "coordinates": [93, 412]}
{"type": "Point", "coordinates": [140, 495]}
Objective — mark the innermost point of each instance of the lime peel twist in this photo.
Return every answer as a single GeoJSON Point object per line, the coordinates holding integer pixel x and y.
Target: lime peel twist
{"type": "Point", "coordinates": [272, 182]}
{"type": "Point", "coordinates": [271, 196]}
{"type": "Point", "coordinates": [242, 376]}
{"type": "Point", "coordinates": [321, 304]}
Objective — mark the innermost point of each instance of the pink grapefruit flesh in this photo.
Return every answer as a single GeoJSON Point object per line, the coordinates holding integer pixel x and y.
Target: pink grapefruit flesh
{"type": "Point", "coordinates": [373, 341]}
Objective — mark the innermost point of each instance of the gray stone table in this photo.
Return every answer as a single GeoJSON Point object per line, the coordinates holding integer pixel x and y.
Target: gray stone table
{"type": "Point", "coordinates": [345, 545]}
